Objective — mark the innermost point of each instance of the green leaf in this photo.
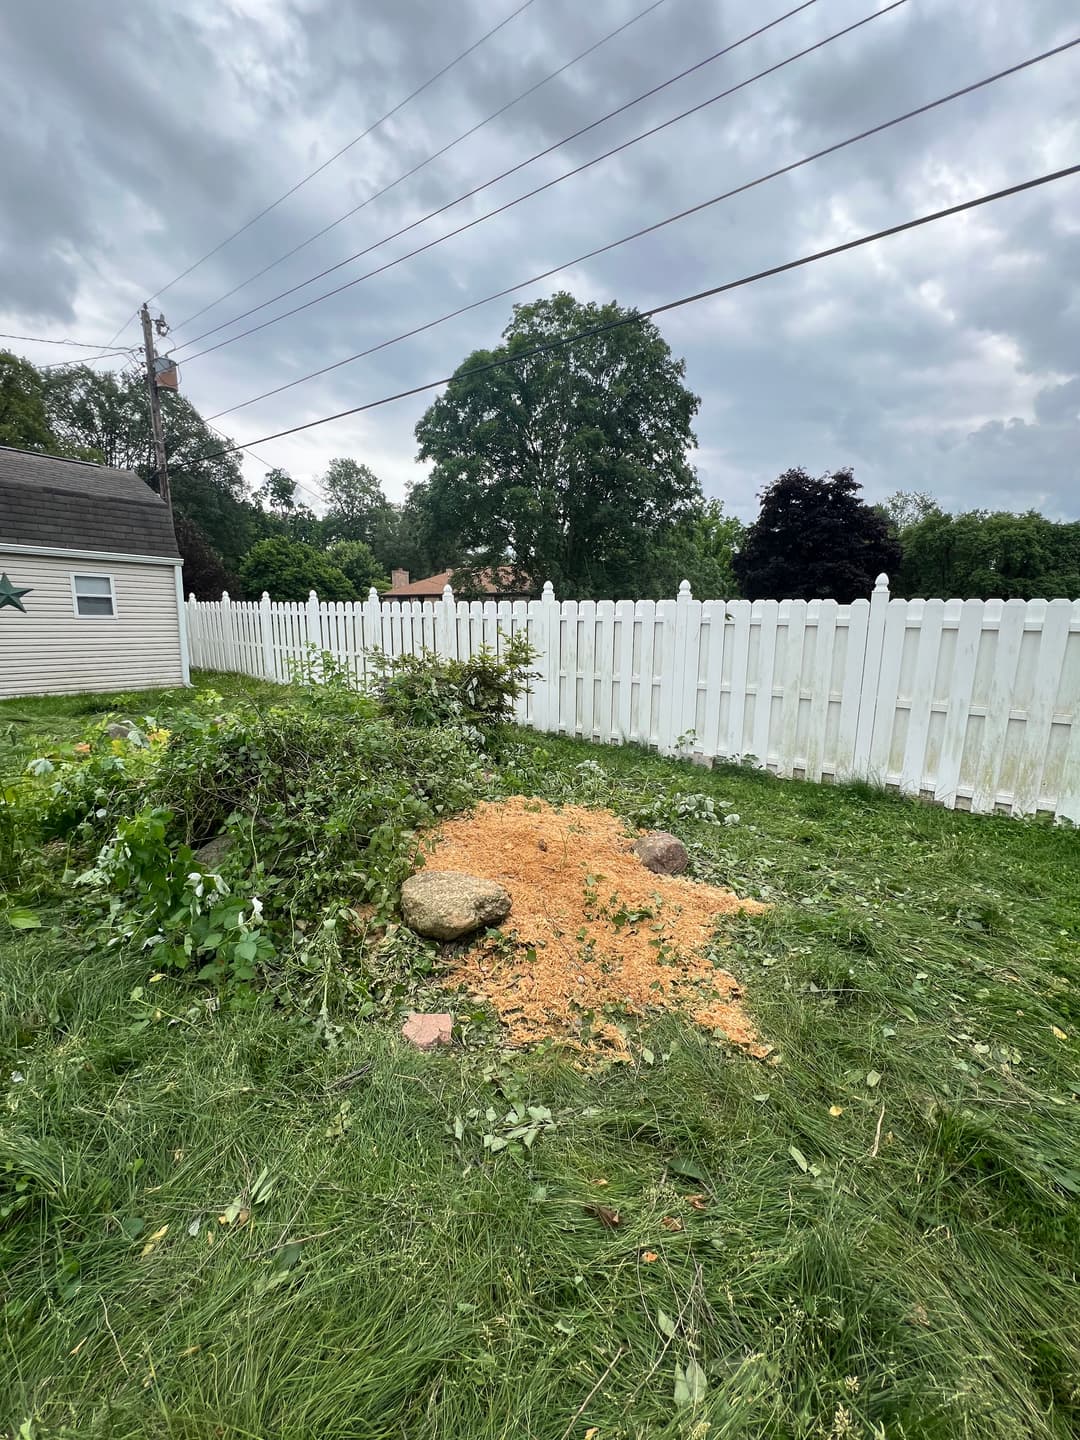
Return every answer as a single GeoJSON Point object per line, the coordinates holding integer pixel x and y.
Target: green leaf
{"type": "Point", "coordinates": [799, 1158]}
{"type": "Point", "coordinates": [688, 1169]}
{"type": "Point", "coordinates": [666, 1324]}
{"type": "Point", "coordinates": [23, 919]}
{"type": "Point", "coordinates": [690, 1384]}
{"type": "Point", "coordinates": [288, 1255]}
{"type": "Point", "coordinates": [873, 1079]}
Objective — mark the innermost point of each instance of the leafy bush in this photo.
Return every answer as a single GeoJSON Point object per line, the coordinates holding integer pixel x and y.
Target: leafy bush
{"type": "Point", "coordinates": [428, 689]}
{"type": "Point", "coordinates": [321, 800]}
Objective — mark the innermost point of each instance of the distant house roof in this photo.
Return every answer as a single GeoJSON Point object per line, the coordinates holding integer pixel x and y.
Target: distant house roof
{"type": "Point", "coordinates": [75, 505]}
{"type": "Point", "coordinates": [502, 581]}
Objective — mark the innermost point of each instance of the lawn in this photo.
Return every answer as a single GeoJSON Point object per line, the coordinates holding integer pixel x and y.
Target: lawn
{"type": "Point", "coordinates": [251, 1212]}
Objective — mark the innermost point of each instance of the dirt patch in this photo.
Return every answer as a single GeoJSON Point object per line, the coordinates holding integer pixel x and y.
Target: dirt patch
{"type": "Point", "coordinates": [591, 933]}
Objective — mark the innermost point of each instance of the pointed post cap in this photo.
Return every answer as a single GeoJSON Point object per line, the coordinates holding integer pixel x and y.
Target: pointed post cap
{"type": "Point", "coordinates": [311, 595]}
{"type": "Point", "coordinates": [448, 591]}
{"type": "Point", "coordinates": [224, 595]}
{"type": "Point", "coordinates": [684, 590]}
{"type": "Point", "coordinates": [549, 590]}
{"type": "Point", "coordinates": [373, 595]}
{"type": "Point", "coordinates": [265, 596]}
{"type": "Point", "coordinates": [882, 582]}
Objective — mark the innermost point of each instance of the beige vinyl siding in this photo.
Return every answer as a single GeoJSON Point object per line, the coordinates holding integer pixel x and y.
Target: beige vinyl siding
{"type": "Point", "coordinates": [51, 650]}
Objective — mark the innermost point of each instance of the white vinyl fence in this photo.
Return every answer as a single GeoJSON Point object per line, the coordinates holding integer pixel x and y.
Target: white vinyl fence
{"type": "Point", "coordinates": [970, 703]}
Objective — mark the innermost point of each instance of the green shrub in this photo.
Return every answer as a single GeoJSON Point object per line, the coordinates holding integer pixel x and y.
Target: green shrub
{"type": "Point", "coordinates": [322, 801]}
{"type": "Point", "coordinates": [428, 689]}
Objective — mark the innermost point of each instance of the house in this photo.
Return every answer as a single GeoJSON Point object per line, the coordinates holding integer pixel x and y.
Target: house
{"type": "Point", "coordinates": [91, 590]}
{"type": "Point", "coordinates": [500, 583]}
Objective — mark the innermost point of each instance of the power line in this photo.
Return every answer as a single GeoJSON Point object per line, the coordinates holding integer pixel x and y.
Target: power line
{"type": "Point", "coordinates": [336, 156]}
{"type": "Point", "coordinates": [640, 315]}
{"type": "Point", "coordinates": [476, 189]}
{"type": "Point", "coordinates": [657, 225]}
{"type": "Point", "coordinates": [41, 340]}
{"type": "Point", "coordinates": [435, 155]}
{"type": "Point", "coordinates": [354, 141]}
{"type": "Point", "coordinates": [314, 490]}
{"type": "Point", "coordinates": [89, 359]}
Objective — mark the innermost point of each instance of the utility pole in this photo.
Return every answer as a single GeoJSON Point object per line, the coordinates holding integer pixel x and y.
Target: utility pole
{"type": "Point", "coordinates": [160, 469]}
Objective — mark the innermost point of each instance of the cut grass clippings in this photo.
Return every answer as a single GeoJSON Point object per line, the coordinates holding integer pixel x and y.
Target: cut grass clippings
{"type": "Point", "coordinates": [593, 936]}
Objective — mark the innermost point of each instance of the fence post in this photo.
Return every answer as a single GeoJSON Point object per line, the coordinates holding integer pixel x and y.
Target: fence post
{"type": "Point", "coordinates": [314, 627]}
{"type": "Point", "coordinates": [446, 625]}
{"type": "Point", "coordinates": [266, 635]}
{"type": "Point", "coordinates": [551, 664]}
{"type": "Point", "coordinates": [675, 619]}
{"type": "Point", "coordinates": [871, 673]}
{"type": "Point", "coordinates": [372, 626]}
{"type": "Point", "coordinates": [226, 631]}
{"type": "Point", "coordinates": [687, 645]}
{"type": "Point", "coordinates": [194, 631]}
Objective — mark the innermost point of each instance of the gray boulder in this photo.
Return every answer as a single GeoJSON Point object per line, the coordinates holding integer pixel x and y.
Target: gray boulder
{"type": "Point", "coordinates": [444, 904]}
{"type": "Point", "coordinates": [212, 855]}
{"type": "Point", "coordinates": [662, 853]}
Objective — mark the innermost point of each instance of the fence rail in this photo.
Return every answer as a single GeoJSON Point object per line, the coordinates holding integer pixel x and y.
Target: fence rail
{"type": "Point", "coordinates": [973, 704]}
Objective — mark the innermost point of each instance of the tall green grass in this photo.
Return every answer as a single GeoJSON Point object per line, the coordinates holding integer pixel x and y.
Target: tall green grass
{"type": "Point", "coordinates": [906, 1268]}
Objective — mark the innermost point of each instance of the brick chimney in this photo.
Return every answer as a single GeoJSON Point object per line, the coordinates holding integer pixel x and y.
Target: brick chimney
{"type": "Point", "coordinates": [398, 579]}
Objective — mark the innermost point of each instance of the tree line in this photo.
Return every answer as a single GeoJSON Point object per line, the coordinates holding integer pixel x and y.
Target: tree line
{"type": "Point", "coordinates": [570, 464]}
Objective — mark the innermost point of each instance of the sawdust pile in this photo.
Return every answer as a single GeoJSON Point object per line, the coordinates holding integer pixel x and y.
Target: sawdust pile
{"type": "Point", "coordinates": [591, 932]}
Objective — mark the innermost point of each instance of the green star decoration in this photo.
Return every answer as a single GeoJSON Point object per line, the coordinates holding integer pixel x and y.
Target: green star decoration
{"type": "Point", "coordinates": [11, 595]}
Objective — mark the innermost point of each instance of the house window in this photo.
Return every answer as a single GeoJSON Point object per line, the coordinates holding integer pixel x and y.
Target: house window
{"type": "Point", "coordinates": [94, 596]}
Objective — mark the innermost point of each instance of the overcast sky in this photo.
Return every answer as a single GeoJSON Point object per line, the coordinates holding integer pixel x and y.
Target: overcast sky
{"type": "Point", "coordinates": [135, 137]}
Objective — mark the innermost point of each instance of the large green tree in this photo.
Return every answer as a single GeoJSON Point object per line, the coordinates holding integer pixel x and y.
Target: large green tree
{"type": "Point", "coordinates": [815, 538]}
{"type": "Point", "coordinates": [103, 416]}
{"type": "Point", "coordinates": [355, 502]}
{"type": "Point", "coordinates": [358, 564]}
{"type": "Point", "coordinates": [288, 570]}
{"type": "Point", "coordinates": [984, 555]}
{"type": "Point", "coordinates": [572, 464]}
{"type": "Point", "coordinates": [24, 417]}
{"type": "Point", "coordinates": [700, 548]}
{"type": "Point", "coordinates": [205, 576]}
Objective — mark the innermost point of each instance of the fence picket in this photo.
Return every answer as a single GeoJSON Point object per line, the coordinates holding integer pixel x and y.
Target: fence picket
{"type": "Point", "coordinates": [624, 676]}
{"type": "Point", "coordinates": [958, 717]}
{"type": "Point", "coordinates": [715, 617]}
{"type": "Point", "coordinates": [853, 680]}
{"type": "Point", "coordinates": [1010, 637]}
{"type": "Point", "coordinates": [1053, 643]}
{"type": "Point", "coordinates": [604, 662]}
{"type": "Point", "coordinates": [820, 685]}
{"type": "Point", "coordinates": [742, 620]}
{"type": "Point", "coordinates": [769, 612]}
{"type": "Point", "coordinates": [795, 639]}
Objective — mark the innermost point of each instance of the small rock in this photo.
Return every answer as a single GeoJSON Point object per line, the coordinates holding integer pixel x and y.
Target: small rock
{"type": "Point", "coordinates": [212, 855]}
{"type": "Point", "coordinates": [662, 853]}
{"type": "Point", "coordinates": [444, 904]}
{"type": "Point", "coordinates": [427, 1031]}
{"type": "Point", "coordinates": [118, 730]}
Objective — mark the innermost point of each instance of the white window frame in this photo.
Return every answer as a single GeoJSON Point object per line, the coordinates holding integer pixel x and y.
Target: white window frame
{"type": "Point", "coordinates": [93, 575]}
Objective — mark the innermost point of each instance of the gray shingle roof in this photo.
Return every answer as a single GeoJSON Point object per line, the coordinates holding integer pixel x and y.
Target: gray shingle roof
{"type": "Point", "coordinates": [73, 505]}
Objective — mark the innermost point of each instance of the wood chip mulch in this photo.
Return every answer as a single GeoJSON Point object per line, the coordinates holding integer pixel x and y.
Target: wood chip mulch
{"type": "Point", "coordinates": [592, 934]}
